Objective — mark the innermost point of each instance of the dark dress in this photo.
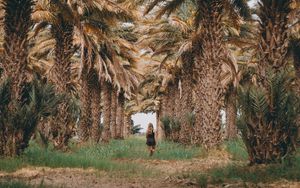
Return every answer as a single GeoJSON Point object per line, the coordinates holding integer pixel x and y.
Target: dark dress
{"type": "Point", "coordinates": [151, 139]}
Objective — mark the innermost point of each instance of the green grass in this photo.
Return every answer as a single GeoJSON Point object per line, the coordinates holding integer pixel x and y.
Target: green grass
{"type": "Point", "coordinates": [20, 184]}
{"type": "Point", "coordinates": [135, 148]}
{"type": "Point", "coordinates": [10, 164]}
{"type": "Point", "coordinates": [289, 170]}
{"type": "Point", "coordinates": [237, 149]}
{"type": "Point", "coordinates": [14, 184]}
{"type": "Point", "coordinates": [101, 157]}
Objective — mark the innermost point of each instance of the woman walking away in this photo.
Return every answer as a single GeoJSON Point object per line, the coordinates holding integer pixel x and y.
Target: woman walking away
{"type": "Point", "coordinates": [150, 139]}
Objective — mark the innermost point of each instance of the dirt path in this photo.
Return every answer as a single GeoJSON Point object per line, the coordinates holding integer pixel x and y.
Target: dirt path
{"type": "Point", "coordinates": [80, 178]}
{"type": "Point", "coordinates": [91, 178]}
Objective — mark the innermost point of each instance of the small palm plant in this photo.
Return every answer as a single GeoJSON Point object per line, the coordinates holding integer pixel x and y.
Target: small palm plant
{"type": "Point", "coordinates": [175, 129]}
{"type": "Point", "coordinates": [268, 119]}
{"type": "Point", "coordinates": [136, 129]}
{"type": "Point", "coordinates": [19, 118]}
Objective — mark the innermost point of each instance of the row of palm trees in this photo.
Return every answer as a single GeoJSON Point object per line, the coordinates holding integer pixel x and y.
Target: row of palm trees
{"type": "Point", "coordinates": [82, 50]}
{"type": "Point", "coordinates": [204, 56]}
{"type": "Point", "coordinates": [193, 91]}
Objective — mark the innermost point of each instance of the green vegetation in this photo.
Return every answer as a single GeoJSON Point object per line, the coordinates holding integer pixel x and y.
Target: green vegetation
{"type": "Point", "coordinates": [135, 148]}
{"type": "Point", "coordinates": [288, 170]}
{"type": "Point", "coordinates": [101, 157]}
{"type": "Point", "coordinates": [20, 184]}
{"type": "Point", "coordinates": [14, 184]}
{"type": "Point", "coordinates": [237, 149]}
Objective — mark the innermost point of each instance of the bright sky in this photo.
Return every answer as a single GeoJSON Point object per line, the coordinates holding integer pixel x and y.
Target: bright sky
{"type": "Point", "coordinates": [252, 2]}
{"type": "Point", "coordinates": [143, 119]}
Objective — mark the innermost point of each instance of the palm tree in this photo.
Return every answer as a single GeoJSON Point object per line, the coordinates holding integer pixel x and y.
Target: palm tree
{"type": "Point", "coordinates": [268, 128]}
{"type": "Point", "coordinates": [209, 54]}
{"type": "Point", "coordinates": [93, 22]}
{"type": "Point", "coordinates": [170, 39]}
{"type": "Point", "coordinates": [59, 16]}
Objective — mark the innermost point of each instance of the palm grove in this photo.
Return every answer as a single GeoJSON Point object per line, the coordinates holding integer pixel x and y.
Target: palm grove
{"type": "Point", "coordinates": [65, 65]}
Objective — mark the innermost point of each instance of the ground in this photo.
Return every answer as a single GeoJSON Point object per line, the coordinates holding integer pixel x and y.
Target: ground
{"type": "Point", "coordinates": [159, 171]}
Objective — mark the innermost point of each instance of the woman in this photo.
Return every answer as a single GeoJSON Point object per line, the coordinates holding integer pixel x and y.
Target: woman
{"type": "Point", "coordinates": [150, 139]}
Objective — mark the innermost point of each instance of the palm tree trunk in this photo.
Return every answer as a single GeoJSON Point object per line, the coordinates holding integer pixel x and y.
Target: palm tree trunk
{"type": "Point", "coordinates": [96, 108]}
{"type": "Point", "coordinates": [186, 102]}
{"type": "Point", "coordinates": [208, 89]}
{"type": "Point", "coordinates": [231, 115]}
{"type": "Point", "coordinates": [85, 98]}
{"type": "Point", "coordinates": [17, 24]}
{"type": "Point", "coordinates": [171, 101]}
{"type": "Point", "coordinates": [159, 115]}
{"type": "Point", "coordinates": [106, 111]}
{"type": "Point", "coordinates": [63, 124]}
{"type": "Point", "coordinates": [177, 110]}
{"type": "Point", "coordinates": [120, 116]}
{"type": "Point", "coordinates": [127, 125]}
{"type": "Point", "coordinates": [162, 134]}
{"type": "Point", "coordinates": [262, 137]}
{"type": "Point", "coordinates": [114, 115]}
{"type": "Point", "coordinates": [86, 116]}
{"type": "Point", "coordinates": [296, 59]}
{"type": "Point", "coordinates": [274, 37]}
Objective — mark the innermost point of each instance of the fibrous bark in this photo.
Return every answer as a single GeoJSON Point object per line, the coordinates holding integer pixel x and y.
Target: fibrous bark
{"type": "Point", "coordinates": [186, 101]}
{"type": "Point", "coordinates": [96, 108]}
{"type": "Point", "coordinates": [208, 90]}
{"type": "Point", "coordinates": [114, 115]}
{"type": "Point", "coordinates": [231, 115]}
{"type": "Point", "coordinates": [17, 24]}
{"type": "Point", "coordinates": [270, 140]}
{"type": "Point", "coordinates": [120, 116]}
{"type": "Point", "coordinates": [106, 111]}
{"type": "Point", "coordinates": [85, 98]}
{"type": "Point", "coordinates": [63, 124]}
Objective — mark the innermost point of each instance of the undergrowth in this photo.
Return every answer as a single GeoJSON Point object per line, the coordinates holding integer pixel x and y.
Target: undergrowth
{"type": "Point", "coordinates": [100, 156]}
{"type": "Point", "coordinates": [288, 170]}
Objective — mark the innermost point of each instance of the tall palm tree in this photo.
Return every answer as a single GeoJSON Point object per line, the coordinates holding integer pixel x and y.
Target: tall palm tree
{"type": "Point", "coordinates": [59, 16]}
{"type": "Point", "coordinates": [209, 54]}
{"type": "Point", "coordinates": [170, 39]}
{"type": "Point", "coordinates": [264, 124]}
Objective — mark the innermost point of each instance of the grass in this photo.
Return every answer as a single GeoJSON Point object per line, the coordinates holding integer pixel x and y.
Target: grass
{"type": "Point", "coordinates": [289, 170]}
{"type": "Point", "coordinates": [101, 157]}
{"type": "Point", "coordinates": [14, 184]}
{"type": "Point", "coordinates": [109, 158]}
{"type": "Point", "coordinates": [237, 150]}
{"type": "Point", "coordinates": [20, 184]}
{"type": "Point", "coordinates": [135, 148]}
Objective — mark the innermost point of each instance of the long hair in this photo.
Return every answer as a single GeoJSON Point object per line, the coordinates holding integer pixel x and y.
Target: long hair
{"type": "Point", "coordinates": [148, 129]}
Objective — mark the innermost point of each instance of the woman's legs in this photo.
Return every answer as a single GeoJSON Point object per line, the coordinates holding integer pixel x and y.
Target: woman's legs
{"type": "Point", "coordinates": [152, 149]}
